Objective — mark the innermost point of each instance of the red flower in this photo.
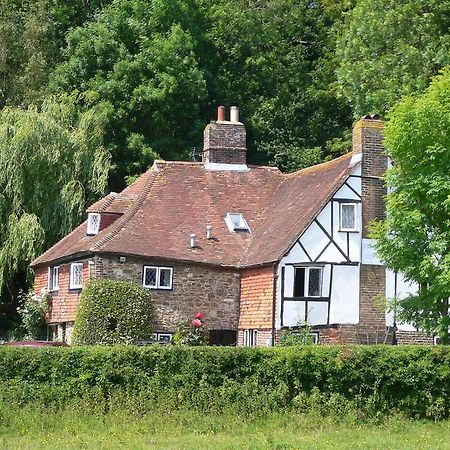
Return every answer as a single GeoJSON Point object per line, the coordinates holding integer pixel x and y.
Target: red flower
{"type": "Point", "coordinates": [199, 316]}
{"type": "Point", "coordinates": [196, 323]}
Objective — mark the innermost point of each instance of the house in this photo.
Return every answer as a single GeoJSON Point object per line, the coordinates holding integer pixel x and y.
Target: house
{"type": "Point", "coordinates": [252, 248]}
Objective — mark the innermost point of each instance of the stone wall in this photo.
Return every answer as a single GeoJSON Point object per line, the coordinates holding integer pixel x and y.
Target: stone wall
{"type": "Point", "coordinates": [196, 288]}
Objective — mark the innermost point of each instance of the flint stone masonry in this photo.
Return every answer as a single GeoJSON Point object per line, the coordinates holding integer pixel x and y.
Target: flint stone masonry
{"type": "Point", "coordinates": [196, 288]}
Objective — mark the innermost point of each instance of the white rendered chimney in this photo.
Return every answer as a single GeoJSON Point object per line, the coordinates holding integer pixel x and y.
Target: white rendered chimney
{"type": "Point", "coordinates": [234, 114]}
{"type": "Point", "coordinates": [208, 231]}
{"type": "Point", "coordinates": [193, 236]}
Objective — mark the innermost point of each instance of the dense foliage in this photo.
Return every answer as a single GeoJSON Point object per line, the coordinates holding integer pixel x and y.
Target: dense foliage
{"type": "Point", "coordinates": [373, 379]}
{"type": "Point", "coordinates": [32, 311]}
{"type": "Point", "coordinates": [52, 162]}
{"type": "Point", "coordinates": [392, 48]}
{"type": "Point", "coordinates": [415, 238]}
{"type": "Point", "coordinates": [113, 311]}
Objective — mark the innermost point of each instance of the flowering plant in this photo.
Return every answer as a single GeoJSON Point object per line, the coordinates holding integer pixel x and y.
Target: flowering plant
{"type": "Point", "coordinates": [191, 332]}
{"type": "Point", "coordinates": [32, 312]}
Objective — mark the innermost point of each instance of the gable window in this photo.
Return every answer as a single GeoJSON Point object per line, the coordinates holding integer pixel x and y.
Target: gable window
{"type": "Point", "coordinates": [348, 217]}
{"type": "Point", "coordinates": [76, 276]}
{"type": "Point", "coordinates": [155, 277]}
{"type": "Point", "coordinates": [53, 280]}
{"type": "Point", "coordinates": [93, 223]}
{"type": "Point", "coordinates": [250, 338]}
{"type": "Point", "coordinates": [308, 282]}
{"type": "Point", "coordinates": [236, 222]}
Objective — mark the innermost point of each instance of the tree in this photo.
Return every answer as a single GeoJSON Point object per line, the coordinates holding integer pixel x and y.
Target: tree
{"type": "Point", "coordinates": [415, 237]}
{"type": "Point", "coordinates": [392, 48]}
{"type": "Point", "coordinates": [53, 163]}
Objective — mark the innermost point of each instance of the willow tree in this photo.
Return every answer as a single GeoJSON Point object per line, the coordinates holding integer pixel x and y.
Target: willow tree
{"type": "Point", "coordinates": [52, 162]}
{"type": "Point", "coordinates": [415, 238]}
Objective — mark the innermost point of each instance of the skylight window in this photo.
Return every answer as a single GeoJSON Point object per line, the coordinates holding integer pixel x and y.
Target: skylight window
{"type": "Point", "coordinates": [236, 222]}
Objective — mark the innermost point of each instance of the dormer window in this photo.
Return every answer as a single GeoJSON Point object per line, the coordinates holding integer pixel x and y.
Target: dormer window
{"type": "Point", "coordinates": [236, 222]}
{"type": "Point", "coordinates": [93, 223]}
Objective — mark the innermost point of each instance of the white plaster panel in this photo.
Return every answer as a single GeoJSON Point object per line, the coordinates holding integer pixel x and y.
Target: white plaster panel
{"type": "Point", "coordinates": [332, 254]}
{"type": "Point", "coordinates": [344, 304]}
{"type": "Point", "coordinates": [355, 183]}
{"type": "Point", "coordinates": [314, 240]}
{"type": "Point", "coordinates": [357, 170]}
{"type": "Point", "coordinates": [404, 288]}
{"type": "Point", "coordinates": [294, 313]}
{"type": "Point", "coordinates": [355, 247]}
{"type": "Point", "coordinates": [289, 281]}
{"type": "Point", "coordinates": [369, 255]}
{"type": "Point", "coordinates": [317, 313]}
{"type": "Point", "coordinates": [295, 255]}
{"type": "Point", "coordinates": [326, 280]}
{"type": "Point", "coordinates": [324, 218]}
{"type": "Point", "coordinates": [346, 193]}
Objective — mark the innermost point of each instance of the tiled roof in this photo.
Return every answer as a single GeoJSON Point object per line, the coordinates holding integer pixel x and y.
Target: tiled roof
{"type": "Point", "coordinates": [175, 199]}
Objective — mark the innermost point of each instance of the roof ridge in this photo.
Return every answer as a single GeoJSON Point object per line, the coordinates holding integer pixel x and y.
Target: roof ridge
{"type": "Point", "coordinates": [321, 165]}
{"type": "Point", "coordinates": [129, 214]}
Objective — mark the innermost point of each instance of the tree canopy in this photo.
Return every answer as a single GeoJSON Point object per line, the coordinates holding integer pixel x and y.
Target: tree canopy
{"type": "Point", "coordinates": [53, 162]}
{"type": "Point", "coordinates": [415, 238]}
{"type": "Point", "coordinates": [391, 48]}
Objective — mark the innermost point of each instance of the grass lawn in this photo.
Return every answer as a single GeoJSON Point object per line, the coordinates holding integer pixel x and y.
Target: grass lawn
{"type": "Point", "coordinates": [31, 429]}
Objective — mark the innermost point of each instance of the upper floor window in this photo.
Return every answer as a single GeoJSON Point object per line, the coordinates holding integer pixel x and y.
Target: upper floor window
{"type": "Point", "coordinates": [155, 277]}
{"type": "Point", "coordinates": [93, 223]}
{"type": "Point", "coordinates": [76, 276]}
{"type": "Point", "coordinates": [348, 217]}
{"type": "Point", "coordinates": [236, 222]}
{"type": "Point", "coordinates": [53, 281]}
{"type": "Point", "coordinates": [308, 282]}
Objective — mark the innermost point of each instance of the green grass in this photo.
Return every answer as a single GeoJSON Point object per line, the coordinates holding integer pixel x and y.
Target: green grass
{"type": "Point", "coordinates": [29, 428]}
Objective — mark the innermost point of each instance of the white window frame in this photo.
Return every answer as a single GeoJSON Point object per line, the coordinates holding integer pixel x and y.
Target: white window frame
{"type": "Point", "coordinates": [93, 229]}
{"type": "Point", "coordinates": [243, 226]}
{"type": "Point", "coordinates": [52, 287]}
{"type": "Point", "coordinates": [250, 338]}
{"type": "Point", "coordinates": [72, 284]}
{"type": "Point", "coordinates": [306, 286]}
{"type": "Point", "coordinates": [161, 337]}
{"type": "Point", "coordinates": [158, 270]}
{"type": "Point", "coordinates": [355, 209]}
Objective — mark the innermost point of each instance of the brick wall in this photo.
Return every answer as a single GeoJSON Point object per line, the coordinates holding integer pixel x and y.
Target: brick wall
{"type": "Point", "coordinates": [196, 288]}
{"type": "Point", "coordinates": [263, 338]}
{"type": "Point", "coordinates": [413, 337]}
{"type": "Point", "coordinates": [224, 143]}
{"type": "Point", "coordinates": [107, 219]}
{"type": "Point", "coordinates": [372, 285]}
{"type": "Point", "coordinates": [256, 298]}
{"type": "Point", "coordinates": [65, 301]}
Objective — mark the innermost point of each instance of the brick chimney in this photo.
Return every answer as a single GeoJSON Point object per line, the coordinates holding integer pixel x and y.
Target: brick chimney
{"type": "Point", "coordinates": [367, 142]}
{"type": "Point", "coordinates": [224, 141]}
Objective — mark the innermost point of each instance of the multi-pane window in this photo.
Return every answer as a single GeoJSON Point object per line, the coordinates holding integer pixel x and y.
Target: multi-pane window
{"type": "Point", "coordinates": [348, 217]}
{"type": "Point", "coordinates": [53, 283]}
{"type": "Point", "coordinates": [155, 277]}
{"type": "Point", "coordinates": [308, 282]}
{"type": "Point", "coordinates": [250, 338]}
{"type": "Point", "coordinates": [76, 276]}
{"type": "Point", "coordinates": [93, 224]}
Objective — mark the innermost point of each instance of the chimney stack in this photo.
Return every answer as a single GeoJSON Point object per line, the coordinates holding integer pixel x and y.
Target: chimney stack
{"type": "Point", "coordinates": [224, 142]}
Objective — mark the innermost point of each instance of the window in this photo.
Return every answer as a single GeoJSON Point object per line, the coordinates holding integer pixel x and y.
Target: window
{"type": "Point", "coordinates": [308, 282]}
{"type": "Point", "coordinates": [155, 277]}
{"type": "Point", "coordinates": [93, 223]}
{"type": "Point", "coordinates": [163, 338]}
{"type": "Point", "coordinates": [76, 276]}
{"type": "Point", "coordinates": [348, 217]}
{"type": "Point", "coordinates": [250, 338]}
{"type": "Point", "coordinates": [53, 278]}
{"type": "Point", "coordinates": [236, 222]}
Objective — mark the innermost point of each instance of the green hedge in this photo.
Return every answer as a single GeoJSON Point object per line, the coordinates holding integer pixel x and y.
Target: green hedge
{"type": "Point", "coordinates": [369, 380]}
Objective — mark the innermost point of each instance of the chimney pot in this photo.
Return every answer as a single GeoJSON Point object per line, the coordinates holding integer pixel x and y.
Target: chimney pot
{"type": "Point", "coordinates": [234, 114]}
{"type": "Point", "coordinates": [193, 236]}
{"type": "Point", "coordinates": [221, 114]}
{"type": "Point", "coordinates": [208, 231]}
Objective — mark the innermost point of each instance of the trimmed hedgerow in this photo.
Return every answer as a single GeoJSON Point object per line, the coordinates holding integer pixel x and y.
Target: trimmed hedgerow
{"type": "Point", "coordinates": [370, 380]}
{"type": "Point", "coordinates": [113, 311]}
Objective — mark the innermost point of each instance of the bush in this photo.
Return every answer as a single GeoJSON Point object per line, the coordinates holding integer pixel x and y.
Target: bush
{"type": "Point", "coordinates": [113, 311]}
{"type": "Point", "coordinates": [191, 332]}
{"type": "Point", "coordinates": [32, 313]}
{"type": "Point", "coordinates": [414, 381]}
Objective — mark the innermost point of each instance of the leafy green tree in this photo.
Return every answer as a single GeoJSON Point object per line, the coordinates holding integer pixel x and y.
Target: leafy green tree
{"type": "Point", "coordinates": [415, 238]}
{"type": "Point", "coordinates": [53, 162]}
{"type": "Point", "coordinates": [392, 48]}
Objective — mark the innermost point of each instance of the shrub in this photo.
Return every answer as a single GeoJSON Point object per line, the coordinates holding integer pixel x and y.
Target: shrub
{"type": "Point", "coordinates": [32, 313]}
{"type": "Point", "coordinates": [302, 335]}
{"type": "Point", "coordinates": [113, 311]}
{"type": "Point", "coordinates": [370, 380]}
{"type": "Point", "coordinates": [191, 332]}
